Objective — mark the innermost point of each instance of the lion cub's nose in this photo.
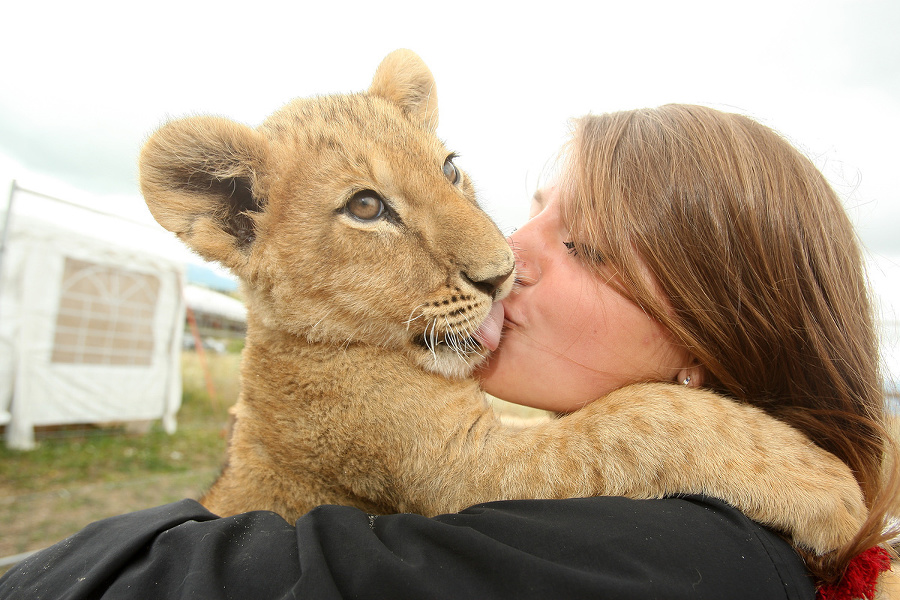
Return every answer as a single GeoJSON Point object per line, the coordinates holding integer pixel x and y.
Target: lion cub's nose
{"type": "Point", "coordinates": [490, 285]}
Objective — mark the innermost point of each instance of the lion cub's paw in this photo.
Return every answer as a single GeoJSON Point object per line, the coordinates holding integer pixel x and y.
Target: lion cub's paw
{"type": "Point", "coordinates": [826, 503]}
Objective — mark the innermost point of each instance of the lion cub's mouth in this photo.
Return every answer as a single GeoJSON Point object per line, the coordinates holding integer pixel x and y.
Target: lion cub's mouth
{"type": "Point", "coordinates": [488, 333]}
{"type": "Point", "coordinates": [466, 345]}
{"type": "Point", "coordinates": [453, 347]}
{"type": "Point", "coordinates": [450, 341]}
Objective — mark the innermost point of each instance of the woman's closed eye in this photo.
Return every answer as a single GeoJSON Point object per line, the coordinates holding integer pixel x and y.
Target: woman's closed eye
{"type": "Point", "coordinates": [573, 250]}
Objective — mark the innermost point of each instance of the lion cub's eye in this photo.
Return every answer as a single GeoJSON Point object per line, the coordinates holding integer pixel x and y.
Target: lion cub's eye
{"type": "Point", "coordinates": [450, 170]}
{"type": "Point", "coordinates": [365, 205]}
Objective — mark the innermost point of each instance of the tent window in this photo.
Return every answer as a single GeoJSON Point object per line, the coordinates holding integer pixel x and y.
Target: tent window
{"type": "Point", "coordinates": [105, 315]}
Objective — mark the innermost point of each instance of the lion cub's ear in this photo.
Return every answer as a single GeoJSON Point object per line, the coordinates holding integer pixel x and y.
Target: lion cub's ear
{"type": "Point", "coordinates": [202, 178]}
{"type": "Point", "coordinates": [403, 78]}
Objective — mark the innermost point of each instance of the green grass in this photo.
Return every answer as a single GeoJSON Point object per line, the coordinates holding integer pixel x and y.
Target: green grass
{"type": "Point", "coordinates": [78, 475]}
{"type": "Point", "coordinates": [106, 456]}
{"type": "Point", "coordinates": [97, 454]}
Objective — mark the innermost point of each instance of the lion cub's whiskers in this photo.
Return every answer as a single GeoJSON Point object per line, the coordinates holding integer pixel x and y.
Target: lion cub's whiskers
{"type": "Point", "coordinates": [411, 318]}
{"type": "Point", "coordinates": [324, 317]}
{"type": "Point", "coordinates": [521, 281]}
{"type": "Point", "coordinates": [434, 339]}
{"type": "Point", "coordinates": [452, 338]}
{"type": "Point", "coordinates": [462, 344]}
{"type": "Point", "coordinates": [473, 344]}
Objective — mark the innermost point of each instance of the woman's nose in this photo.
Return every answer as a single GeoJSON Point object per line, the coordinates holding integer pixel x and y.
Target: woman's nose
{"type": "Point", "coordinates": [527, 272]}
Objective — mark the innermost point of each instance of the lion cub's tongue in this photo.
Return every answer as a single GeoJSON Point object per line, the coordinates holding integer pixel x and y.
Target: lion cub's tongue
{"type": "Point", "coordinates": [489, 332]}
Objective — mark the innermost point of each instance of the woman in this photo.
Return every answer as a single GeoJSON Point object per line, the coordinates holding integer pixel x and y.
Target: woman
{"type": "Point", "coordinates": [741, 261]}
{"type": "Point", "coordinates": [680, 244]}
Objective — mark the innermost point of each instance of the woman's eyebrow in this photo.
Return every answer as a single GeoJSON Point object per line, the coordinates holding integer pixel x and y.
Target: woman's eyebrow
{"type": "Point", "coordinates": [538, 198]}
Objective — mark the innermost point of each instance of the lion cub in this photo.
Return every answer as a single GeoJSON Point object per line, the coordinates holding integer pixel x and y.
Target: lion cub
{"type": "Point", "coordinates": [367, 266]}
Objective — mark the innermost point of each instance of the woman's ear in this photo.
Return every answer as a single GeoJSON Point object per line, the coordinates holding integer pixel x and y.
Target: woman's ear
{"type": "Point", "coordinates": [691, 376]}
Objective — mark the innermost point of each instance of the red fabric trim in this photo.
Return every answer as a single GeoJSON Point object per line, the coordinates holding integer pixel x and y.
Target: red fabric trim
{"type": "Point", "coordinates": [860, 577]}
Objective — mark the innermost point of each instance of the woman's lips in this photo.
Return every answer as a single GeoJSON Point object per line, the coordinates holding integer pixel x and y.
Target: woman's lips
{"type": "Point", "coordinates": [509, 320]}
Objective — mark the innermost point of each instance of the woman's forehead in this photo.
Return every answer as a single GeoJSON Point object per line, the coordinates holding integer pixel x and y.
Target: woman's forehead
{"type": "Point", "coordinates": [553, 195]}
{"type": "Point", "coordinates": [542, 197]}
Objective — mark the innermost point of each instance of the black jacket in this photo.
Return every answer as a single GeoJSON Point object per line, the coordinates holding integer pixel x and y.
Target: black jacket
{"type": "Point", "coordinates": [688, 547]}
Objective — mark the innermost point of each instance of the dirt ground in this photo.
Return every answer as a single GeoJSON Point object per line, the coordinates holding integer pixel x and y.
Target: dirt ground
{"type": "Point", "coordinates": [34, 521]}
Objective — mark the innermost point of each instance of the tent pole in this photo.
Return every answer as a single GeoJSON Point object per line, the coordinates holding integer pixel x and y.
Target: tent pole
{"type": "Point", "coordinates": [4, 236]}
{"type": "Point", "coordinates": [201, 354]}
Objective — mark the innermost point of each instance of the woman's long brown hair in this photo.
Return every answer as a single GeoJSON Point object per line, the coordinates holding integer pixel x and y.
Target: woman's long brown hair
{"type": "Point", "coordinates": [762, 270]}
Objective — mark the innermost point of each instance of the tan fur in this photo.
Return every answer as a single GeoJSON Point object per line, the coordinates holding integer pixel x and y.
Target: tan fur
{"type": "Point", "coordinates": [888, 585]}
{"type": "Point", "coordinates": [356, 385]}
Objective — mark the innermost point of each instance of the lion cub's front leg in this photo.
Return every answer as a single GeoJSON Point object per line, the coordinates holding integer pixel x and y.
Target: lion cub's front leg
{"type": "Point", "coordinates": [651, 440]}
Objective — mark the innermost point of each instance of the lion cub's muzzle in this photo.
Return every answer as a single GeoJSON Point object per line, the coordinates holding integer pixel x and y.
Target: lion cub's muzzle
{"type": "Point", "coordinates": [495, 287]}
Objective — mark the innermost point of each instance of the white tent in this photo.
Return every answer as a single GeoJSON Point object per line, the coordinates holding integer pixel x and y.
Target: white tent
{"type": "Point", "coordinates": [90, 326]}
{"type": "Point", "coordinates": [209, 301]}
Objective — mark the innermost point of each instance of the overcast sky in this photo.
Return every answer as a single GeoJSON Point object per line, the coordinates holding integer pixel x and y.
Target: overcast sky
{"type": "Point", "coordinates": [84, 83]}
